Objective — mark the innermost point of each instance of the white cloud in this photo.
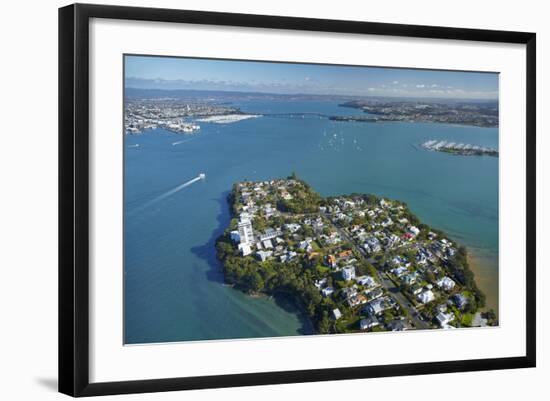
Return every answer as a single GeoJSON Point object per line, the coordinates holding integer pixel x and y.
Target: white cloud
{"type": "Point", "coordinates": [395, 82]}
{"type": "Point", "coordinates": [420, 86]}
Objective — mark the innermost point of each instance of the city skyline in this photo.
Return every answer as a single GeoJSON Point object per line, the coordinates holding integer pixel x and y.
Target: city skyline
{"type": "Point", "coordinates": [149, 72]}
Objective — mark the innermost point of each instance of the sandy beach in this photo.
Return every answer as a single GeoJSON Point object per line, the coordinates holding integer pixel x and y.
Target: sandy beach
{"type": "Point", "coordinates": [486, 277]}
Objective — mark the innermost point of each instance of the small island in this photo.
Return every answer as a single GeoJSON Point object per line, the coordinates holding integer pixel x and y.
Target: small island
{"type": "Point", "coordinates": [353, 263]}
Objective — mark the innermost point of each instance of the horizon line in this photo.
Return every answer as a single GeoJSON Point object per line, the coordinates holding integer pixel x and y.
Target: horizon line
{"type": "Point", "coordinates": [313, 94]}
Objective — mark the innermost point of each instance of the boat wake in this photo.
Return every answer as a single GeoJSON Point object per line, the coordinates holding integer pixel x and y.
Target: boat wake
{"type": "Point", "coordinates": [200, 177]}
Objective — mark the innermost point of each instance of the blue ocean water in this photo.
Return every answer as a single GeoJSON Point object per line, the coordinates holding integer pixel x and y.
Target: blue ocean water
{"type": "Point", "coordinates": [173, 283]}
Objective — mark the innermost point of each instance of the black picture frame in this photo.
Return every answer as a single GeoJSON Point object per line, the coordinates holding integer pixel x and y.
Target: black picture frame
{"type": "Point", "coordinates": [74, 198]}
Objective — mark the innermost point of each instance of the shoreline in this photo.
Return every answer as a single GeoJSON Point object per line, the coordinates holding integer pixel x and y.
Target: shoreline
{"type": "Point", "coordinates": [280, 297]}
{"type": "Point", "coordinates": [227, 118]}
{"type": "Point", "coordinates": [485, 276]}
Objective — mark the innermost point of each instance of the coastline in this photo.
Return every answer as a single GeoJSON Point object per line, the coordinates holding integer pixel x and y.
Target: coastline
{"type": "Point", "coordinates": [227, 118]}
{"type": "Point", "coordinates": [287, 301]}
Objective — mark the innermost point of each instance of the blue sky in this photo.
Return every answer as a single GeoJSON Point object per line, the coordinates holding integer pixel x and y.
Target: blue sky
{"type": "Point", "coordinates": [248, 76]}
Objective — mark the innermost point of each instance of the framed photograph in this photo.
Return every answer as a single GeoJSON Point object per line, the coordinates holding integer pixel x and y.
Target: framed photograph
{"type": "Point", "coordinates": [250, 199]}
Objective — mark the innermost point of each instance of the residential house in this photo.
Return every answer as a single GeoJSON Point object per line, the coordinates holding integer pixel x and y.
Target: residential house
{"type": "Point", "coordinates": [460, 300]}
{"type": "Point", "coordinates": [366, 281]}
{"type": "Point", "coordinates": [245, 249]}
{"type": "Point", "coordinates": [264, 255]}
{"type": "Point", "coordinates": [336, 314]}
{"type": "Point", "coordinates": [445, 283]}
{"type": "Point", "coordinates": [327, 291]}
{"type": "Point", "coordinates": [331, 261]}
{"type": "Point", "coordinates": [443, 319]}
{"type": "Point", "coordinates": [368, 323]}
{"type": "Point", "coordinates": [270, 233]}
{"type": "Point", "coordinates": [409, 279]}
{"type": "Point", "coordinates": [397, 325]}
{"type": "Point", "coordinates": [348, 273]}
{"type": "Point", "coordinates": [425, 296]}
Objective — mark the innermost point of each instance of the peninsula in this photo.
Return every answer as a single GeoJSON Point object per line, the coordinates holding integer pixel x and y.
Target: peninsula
{"type": "Point", "coordinates": [352, 263]}
{"type": "Point", "coordinates": [178, 115]}
{"type": "Point", "coordinates": [481, 114]}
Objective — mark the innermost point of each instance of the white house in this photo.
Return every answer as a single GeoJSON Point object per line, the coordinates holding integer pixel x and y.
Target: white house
{"type": "Point", "coordinates": [443, 319]}
{"type": "Point", "coordinates": [245, 249]}
{"type": "Point", "coordinates": [327, 291]}
{"type": "Point", "coordinates": [414, 230]}
{"type": "Point", "coordinates": [445, 283]}
{"type": "Point", "coordinates": [368, 323]}
{"type": "Point", "coordinates": [399, 271]}
{"type": "Point", "coordinates": [348, 273]}
{"type": "Point", "coordinates": [367, 281]}
{"type": "Point", "coordinates": [305, 245]}
{"type": "Point", "coordinates": [376, 307]}
{"type": "Point", "coordinates": [264, 255]}
{"type": "Point", "coordinates": [425, 296]}
{"type": "Point", "coordinates": [320, 283]}
{"type": "Point", "coordinates": [270, 233]}
{"type": "Point", "coordinates": [336, 314]}
{"type": "Point", "coordinates": [292, 227]}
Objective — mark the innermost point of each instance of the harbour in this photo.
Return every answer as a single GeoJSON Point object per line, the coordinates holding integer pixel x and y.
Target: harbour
{"type": "Point", "coordinates": [173, 279]}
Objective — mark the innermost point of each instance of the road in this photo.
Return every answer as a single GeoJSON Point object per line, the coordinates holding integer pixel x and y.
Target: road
{"type": "Point", "coordinates": [413, 313]}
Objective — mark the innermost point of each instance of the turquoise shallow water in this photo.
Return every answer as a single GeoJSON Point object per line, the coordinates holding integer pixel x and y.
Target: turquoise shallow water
{"type": "Point", "coordinates": [173, 282]}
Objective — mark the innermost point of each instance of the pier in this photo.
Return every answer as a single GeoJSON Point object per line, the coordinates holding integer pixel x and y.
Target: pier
{"type": "Point", "coordinates": [459, 148]}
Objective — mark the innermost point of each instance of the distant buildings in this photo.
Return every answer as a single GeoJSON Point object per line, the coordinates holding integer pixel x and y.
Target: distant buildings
{"type": "Point", "coordinates": [174, 115]}
{"type": "Point", "coordinates": [478, 114]}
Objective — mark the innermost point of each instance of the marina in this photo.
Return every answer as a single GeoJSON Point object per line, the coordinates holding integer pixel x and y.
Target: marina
{"type": "Point", "coordinates": [461, 149]}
